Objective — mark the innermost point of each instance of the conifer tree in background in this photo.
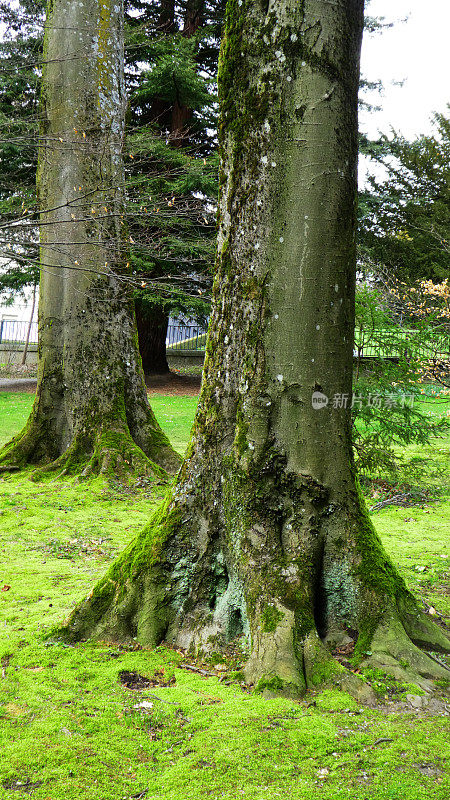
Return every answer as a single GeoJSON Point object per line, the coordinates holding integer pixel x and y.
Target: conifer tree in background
{"type": "Point", "coordinates": [173, 171]}
{"type": "Point", "coordinates": [404, 225]}
{"type": "Point", "coordinates": [20, 59]}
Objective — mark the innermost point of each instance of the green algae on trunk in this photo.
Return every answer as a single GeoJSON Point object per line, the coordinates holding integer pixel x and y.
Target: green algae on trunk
{"type": "Point", "coordinates": [265, 537]}
{"type": "Point", "coordinates": [91, 412]}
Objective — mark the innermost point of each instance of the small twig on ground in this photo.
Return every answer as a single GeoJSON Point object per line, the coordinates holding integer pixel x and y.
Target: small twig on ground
{"type": "Point", "coordinates": [169, 702]}
{"type": "Point", "coordinates": [405, 499]}
{"type": "Point", "coordinates": [197, 669]}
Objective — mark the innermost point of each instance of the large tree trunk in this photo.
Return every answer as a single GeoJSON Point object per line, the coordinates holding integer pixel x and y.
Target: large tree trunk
{"type": "Point", "coordinates": [91, 409]}
{"type": "Point", "coordinates": [265, 536]}
{"type": "Point", "coordinates": [152, 334]}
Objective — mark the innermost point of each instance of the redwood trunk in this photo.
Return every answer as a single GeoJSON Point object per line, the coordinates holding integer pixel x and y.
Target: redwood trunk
{"type": "Point", "coordinates": [181, 113]}
{"type": "Point", "coordinates": [265, 538]}
{"type": "Point", "coordinates": [152, 334]}
{"type": "Point", "coordinates": [91, 410]}
{"type": "Point", "coordinates": [160, 111]}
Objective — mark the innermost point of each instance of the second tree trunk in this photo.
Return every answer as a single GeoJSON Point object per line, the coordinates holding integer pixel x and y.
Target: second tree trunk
{"type": "Point", "coordinates": [91, 411]}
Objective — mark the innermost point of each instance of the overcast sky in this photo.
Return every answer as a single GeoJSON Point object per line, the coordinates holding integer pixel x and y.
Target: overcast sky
{"type": "Point", "coordinates": [418, 52]}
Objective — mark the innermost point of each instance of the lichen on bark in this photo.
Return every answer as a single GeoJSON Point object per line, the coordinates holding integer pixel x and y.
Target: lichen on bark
{"type": "Point", "coordinates": [265, 537]}
{"type": "Point", "coordinates": [91, 412]}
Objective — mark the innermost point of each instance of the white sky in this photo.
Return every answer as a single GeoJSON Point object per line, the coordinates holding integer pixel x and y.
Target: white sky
{"type": "Point", "coordinates": [417, 51]}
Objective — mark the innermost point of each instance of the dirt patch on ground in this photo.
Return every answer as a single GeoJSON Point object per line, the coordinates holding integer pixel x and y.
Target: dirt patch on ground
{"type": "Point", "coordinates": [173, 384]}
{"type": "Point", "coordinates": [132, 680]}
{"type": "Point", "coordinates": [24, 785]}
{"type": "Point", "coordinates": [27, 385]}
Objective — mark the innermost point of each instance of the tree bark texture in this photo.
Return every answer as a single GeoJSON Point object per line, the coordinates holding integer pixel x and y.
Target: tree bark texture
{"type": "Point", "coordinates": [152, 334]}
{"type": "Point", "coordinates": [181, 114]}
{"type": "Point", "coordinates": [265, 537]}
{"type": "Point", "coordinates": [91, 407]}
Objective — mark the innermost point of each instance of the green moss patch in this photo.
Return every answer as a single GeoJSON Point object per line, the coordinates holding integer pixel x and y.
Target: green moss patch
{"type": "Point", "coordinates": [71, 730]}
{"type": "Point", "coordinates": [335, 700]}
{"type": "Point", "coordinates": [270, 618]}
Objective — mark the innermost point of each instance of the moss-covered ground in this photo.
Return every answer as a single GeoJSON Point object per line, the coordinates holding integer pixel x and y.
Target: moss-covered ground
{"type": "Point", "coordinates": [71, 729]}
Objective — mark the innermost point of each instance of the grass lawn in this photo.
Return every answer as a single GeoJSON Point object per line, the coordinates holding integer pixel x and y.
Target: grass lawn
{"type": "Point", "coordinates": [71, 730]}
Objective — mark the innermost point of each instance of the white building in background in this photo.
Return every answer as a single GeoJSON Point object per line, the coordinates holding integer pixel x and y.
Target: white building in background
{"type": "Point", "coordinates": [21, 308]}
{"type": "Point", "coordinates": [15, 318]}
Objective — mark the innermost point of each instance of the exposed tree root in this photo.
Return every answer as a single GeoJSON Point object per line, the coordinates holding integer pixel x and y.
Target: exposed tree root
{"type": "Point", "coordinates": [108, 430]}
{"type": "Point", "coordinates": [107, 454]}
{"type": "Point", "coordinates": [108, 450]}
{"type": "Point", "coordinates": [421, 629]}
{"type": "Point", "coordinates": [273, 665]}
{"type": "Point", "coordinates": [291, 671]}
{"type": "Point", "coordinates": [279, 664]}
{"type": "Point", "coordinates": [392, 651]}
{"type": "Point", "coordinates": [170, 586]}
{"type": "Point", "coordinates": [32, 445]}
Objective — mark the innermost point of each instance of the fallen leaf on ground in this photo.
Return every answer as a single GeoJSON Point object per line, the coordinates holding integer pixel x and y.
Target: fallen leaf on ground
{"type": "Point", "coordinates": [209, 701]}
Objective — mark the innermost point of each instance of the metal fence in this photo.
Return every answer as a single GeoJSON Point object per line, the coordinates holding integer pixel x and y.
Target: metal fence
{"type": "Point", "coordinates": [14, 331]}
{"type": "Point", "coordinates": [193, 338]}
{"type": "Point", "coordinates": [179, 335]}
{"type": "Point", "coordinates": [380, 345]}
{"type": "Point", "coordinates": [185, 337]}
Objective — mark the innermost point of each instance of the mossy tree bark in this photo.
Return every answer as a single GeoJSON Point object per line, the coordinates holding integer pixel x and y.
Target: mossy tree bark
{"type": "Point", "coordinates": [91, 411]}
{"type": "Point", "coordinates": [265, 535]}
